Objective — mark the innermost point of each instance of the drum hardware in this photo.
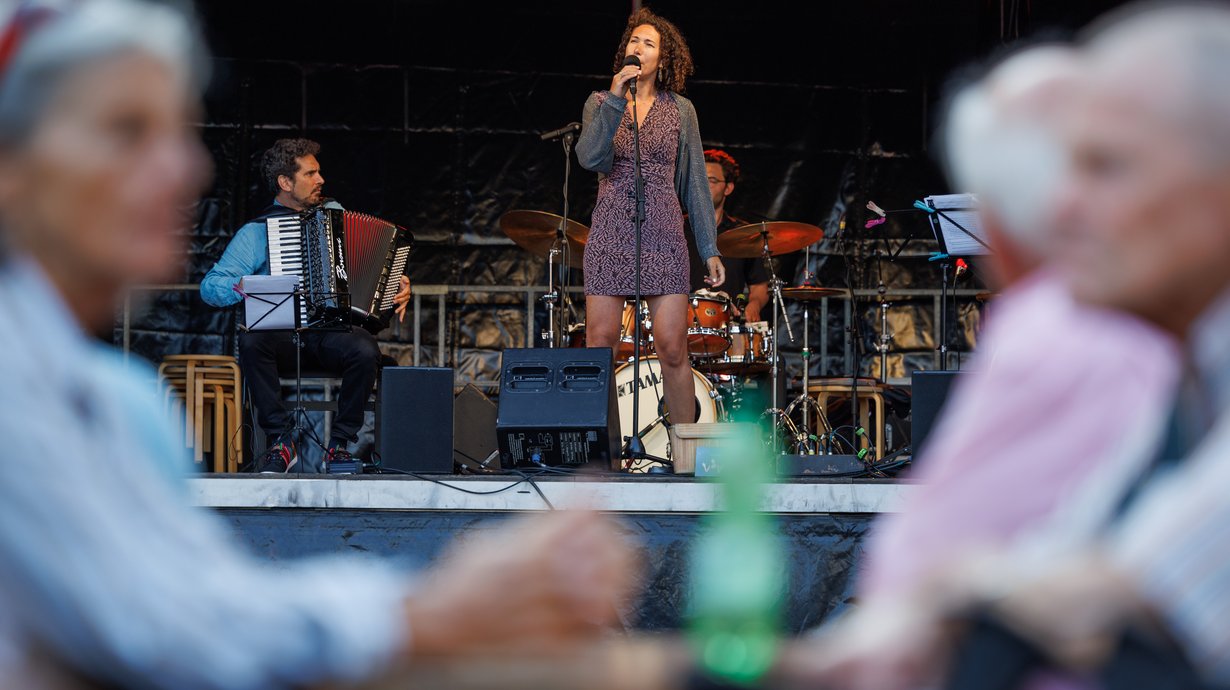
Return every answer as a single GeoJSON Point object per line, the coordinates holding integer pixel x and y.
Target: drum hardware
{"type": "Point", "coordinates": [766, 240]}
{"type": "Point", "coordinates": [885, 336]}
{"type": "Point", "coordinates": [550, 299]}
{"type": "Point", "coordinates": [804, 442]}
{"type": "Point", "coordinates": [779, 309]}
{"type": "Point", "coordinates": [561, 241]}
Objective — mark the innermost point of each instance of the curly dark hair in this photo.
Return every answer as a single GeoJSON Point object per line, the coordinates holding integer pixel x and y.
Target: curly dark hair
{"type": "Point", "coordinates": [675, 58]}
{"type": "Point", "coordinates": [730, 166]}
{"type": "Point", "coordinates": [283, 159]}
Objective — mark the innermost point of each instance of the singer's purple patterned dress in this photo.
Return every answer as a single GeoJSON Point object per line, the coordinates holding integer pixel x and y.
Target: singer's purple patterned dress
{"type": "Point", "coordinates": [611, 251]}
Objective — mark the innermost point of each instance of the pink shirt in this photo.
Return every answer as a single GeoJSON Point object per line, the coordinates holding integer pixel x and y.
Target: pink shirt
{"type": "Point", "coordinates": [1055, 386]}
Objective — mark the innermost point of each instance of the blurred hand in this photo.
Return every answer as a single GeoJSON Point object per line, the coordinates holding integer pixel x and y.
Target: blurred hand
{"type": "Point", "coordinates": [402, 298]}
{"type": "Point", "coordinates": [1075, 612]}
{"type": "Point", "coordinates": [540, 584]}
{"type": "Point", "coordinates": [897, 644]}
{"type": "Point", "coordinates": [717, 272]}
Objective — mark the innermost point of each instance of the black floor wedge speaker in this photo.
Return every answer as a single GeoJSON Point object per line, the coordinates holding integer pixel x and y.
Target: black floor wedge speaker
{"type": "Point", "coordinates": [557, 408]}
{"type": "Point", "coordinates": [416, 419]}
{"type": "Point", "coordinates": [474, 446]}
{"type": "Point", "coordinates": [930, 392]}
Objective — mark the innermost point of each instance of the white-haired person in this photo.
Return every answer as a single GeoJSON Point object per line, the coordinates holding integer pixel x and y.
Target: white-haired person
{"type": "Point", "coordinates": [1126, 583]}
{"type": "Point", "coordinates": [1054, 389]}
{"type": "Point", "coordinates": [108, 574]}
{"type": "Point", "coordinates": [1132, 579]}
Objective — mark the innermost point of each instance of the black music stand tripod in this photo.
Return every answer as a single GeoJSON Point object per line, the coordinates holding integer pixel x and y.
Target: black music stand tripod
{"type": "Point", "coordinates": [954, 239]}
{"type": "Point", "coordinates": [300, 426]}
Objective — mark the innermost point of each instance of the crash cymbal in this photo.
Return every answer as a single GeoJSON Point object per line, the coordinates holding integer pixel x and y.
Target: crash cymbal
{"type": "Point", "coordinates": [534, 231]}
{"type": "Point", "coordinates": [747, 241]}
{"type": "Point", "coordinates": [810, 293]}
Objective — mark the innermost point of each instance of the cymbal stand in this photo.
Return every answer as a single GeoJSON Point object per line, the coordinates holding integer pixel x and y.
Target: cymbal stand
{"type": "Point", "coordinates": [557, 299]}
{"type": "Point", "coordinates": [552, 300]}
{"type": "Point", "coordinates": [886, 336]}
{"type": "Point", "coordinates": [779, 309]}
{"type": "Point", "coordinates": [804, 441]}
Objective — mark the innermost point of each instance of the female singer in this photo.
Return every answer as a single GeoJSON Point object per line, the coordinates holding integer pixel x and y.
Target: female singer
{"type": "Point", "coordinates": [673, 170]}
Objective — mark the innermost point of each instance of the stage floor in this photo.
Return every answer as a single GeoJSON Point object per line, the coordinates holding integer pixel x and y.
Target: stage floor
{"type": "Point", "coordinates": [613, 493]}
{"type": "Point", "coordinates": [410, 522]}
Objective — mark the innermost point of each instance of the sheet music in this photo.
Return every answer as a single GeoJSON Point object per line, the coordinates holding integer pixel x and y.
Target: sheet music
{"type": "Point", "coordinates": [961, 208]}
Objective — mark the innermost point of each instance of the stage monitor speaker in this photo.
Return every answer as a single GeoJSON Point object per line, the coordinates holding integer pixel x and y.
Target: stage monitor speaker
{"type": "Point", "coordinates": [416, 419]}
{"type": "Point", "coordinates": [930, 392]}
{"type": "Point", "coordinates": [474, 416]}
{"type": "Point", "coordinates": [557, 408]}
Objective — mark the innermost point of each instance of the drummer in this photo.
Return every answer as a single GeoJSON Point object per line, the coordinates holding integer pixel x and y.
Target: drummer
{"type": "Point", "coordinates": [743, 276]}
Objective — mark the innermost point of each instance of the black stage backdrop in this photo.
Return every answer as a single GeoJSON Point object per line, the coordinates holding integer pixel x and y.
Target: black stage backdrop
{"type": "Point", "coordinates": [428, 112]}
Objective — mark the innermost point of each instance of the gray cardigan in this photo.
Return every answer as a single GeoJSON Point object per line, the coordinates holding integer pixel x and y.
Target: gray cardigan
{"type": "Point", "coordinates": [596, 152]}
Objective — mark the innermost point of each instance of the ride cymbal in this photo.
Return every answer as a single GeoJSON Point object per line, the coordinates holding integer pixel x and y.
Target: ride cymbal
{"type": "Point", "coordinates": [782, 237]}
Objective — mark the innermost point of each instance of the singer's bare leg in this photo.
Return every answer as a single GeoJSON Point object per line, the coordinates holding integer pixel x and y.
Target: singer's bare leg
{"type": "Point", "coordinates": [603, 319]}
{"type": "Point", "coordinates": [670, 324]}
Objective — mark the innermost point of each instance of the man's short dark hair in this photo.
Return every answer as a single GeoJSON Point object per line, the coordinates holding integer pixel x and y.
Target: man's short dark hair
{"type": "Point", "coordinates": [730, 166]}
{"type": "Point", "coordinates": [283, 159]}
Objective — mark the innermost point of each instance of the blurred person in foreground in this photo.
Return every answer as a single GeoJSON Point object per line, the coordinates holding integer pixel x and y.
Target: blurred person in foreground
{"type": "Point", "coordinates": [1127, 582]}
{"type": "Point", "coordinates": [1055, 383]}
{"type": "Point", "coordinates": [107, 572]}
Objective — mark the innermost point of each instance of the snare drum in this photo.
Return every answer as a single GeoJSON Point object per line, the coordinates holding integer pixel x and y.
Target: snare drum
{"type": "Point", "coordinates": [624, 349]}
{"type": "Point", "coordinates": [750, 352]}
{"type": "Point", "coordinates": [627, 332]}
{"type": "Point", "coordinates": [708, 316]}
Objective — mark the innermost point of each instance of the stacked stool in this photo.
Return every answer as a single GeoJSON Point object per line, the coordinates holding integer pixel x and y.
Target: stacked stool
{"type": "Point", "coordinates": [205, 389]}
{"type": "Point", "coordinates": [870, 397]}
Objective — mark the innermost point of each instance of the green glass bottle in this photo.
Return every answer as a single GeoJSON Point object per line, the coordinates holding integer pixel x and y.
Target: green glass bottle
{"type": "Point", "coordinates": [737, 573]}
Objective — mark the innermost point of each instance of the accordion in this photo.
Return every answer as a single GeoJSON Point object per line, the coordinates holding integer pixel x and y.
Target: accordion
{"type": "Point", "coordinates": [349, 264]}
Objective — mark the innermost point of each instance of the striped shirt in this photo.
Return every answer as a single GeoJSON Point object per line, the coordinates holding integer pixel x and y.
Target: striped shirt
{"type": "Point", "coordinates": [1175, 538]}
{"type": "Point", "coordinates": [104, 563]}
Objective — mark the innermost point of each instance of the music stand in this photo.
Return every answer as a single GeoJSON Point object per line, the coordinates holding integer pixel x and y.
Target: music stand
{"type": "Point", "coordinates": [958, 230]}
{"type": "Point", "coordinates": [277, 308]}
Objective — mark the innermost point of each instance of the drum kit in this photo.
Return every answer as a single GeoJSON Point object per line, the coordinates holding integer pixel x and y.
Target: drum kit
{"type": "Point", "coordinates": [725, 350]}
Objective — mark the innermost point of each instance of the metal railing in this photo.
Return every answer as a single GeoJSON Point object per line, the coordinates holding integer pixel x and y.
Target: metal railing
{"type": "Point", "coordinates": [532, 293]}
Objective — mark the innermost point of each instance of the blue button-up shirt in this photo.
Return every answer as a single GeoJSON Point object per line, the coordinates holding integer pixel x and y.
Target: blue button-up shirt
{"type": "Point", "coordinates": [246, 255]}
{"type": "Point", "coordinates": [104, 563]}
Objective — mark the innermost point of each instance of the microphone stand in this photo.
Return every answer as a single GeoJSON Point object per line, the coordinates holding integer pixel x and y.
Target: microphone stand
{"type": "Point", "coordinates": [636, 447]}
{"type": "Point", "coordinates": [557, 297]}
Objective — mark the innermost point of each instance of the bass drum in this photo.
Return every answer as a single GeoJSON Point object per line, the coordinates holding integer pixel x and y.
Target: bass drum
{"type": "Point", "coordinates": [653, 403]}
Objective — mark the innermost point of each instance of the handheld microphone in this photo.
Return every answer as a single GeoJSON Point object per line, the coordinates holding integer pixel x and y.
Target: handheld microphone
{"type": "Point", "coordinates": [632, 60]}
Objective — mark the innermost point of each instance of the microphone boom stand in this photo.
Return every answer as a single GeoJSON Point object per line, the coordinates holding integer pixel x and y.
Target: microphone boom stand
{"type": "Point", "coordinates": [636, 447]}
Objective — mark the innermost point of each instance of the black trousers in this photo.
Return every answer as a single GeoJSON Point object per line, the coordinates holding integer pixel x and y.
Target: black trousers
{"type": "Point", "coordinates": [266, 356]}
